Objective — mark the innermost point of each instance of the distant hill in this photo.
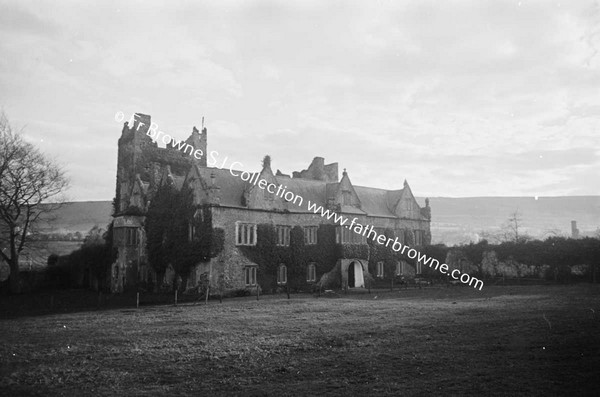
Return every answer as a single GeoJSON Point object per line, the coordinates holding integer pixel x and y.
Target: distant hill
{"type": "Point", "coordinates": [454, 220]}
{"type": "Point", "coordinates": [77, 216]}
{"type": "Point", "coordinates": [59, 230]}
{"type": "Point", "coordinates": [458, 220]}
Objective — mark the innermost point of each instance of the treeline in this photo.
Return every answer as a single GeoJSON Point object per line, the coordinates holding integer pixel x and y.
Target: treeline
{"type": "Point", "coordinates": [86, 267]}
{"type": "Point", "coordinates": [556, 258]}
{"type": "Point", "coordinates": [76, 236]}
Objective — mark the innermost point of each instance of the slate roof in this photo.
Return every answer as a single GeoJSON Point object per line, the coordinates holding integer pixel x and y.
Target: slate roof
{"type": "Point", "coordinates": [308, 189]}
{"type": "Point", "coordinates": [374, 201]}
{"type": "Point", "coordinates": [232, 187]}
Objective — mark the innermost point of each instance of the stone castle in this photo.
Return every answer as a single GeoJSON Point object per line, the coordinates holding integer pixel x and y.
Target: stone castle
{"type": "Point", "coordinates": [239, 209]}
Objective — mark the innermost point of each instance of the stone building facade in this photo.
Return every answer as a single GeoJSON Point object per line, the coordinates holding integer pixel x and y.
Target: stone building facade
{"type": "Point", "coordinates": [238, 208]}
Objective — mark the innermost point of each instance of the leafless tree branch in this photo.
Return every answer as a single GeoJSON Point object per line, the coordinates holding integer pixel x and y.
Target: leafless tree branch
{"type": "Point", "coordinates": [28, 180]}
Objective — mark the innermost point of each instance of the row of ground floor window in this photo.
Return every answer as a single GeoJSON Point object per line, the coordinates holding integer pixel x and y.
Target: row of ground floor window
{"type": "Point", "coordinates": [402, 269]}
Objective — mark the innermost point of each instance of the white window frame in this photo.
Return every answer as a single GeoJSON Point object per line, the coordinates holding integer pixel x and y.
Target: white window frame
{"type": "Point", "coordinates": [250, 276]}
{"type": "Point", "coordinates": [283, 235]}
{"type": "Point", "coordinates": [282, 274]}
{"type": "Point", "coordinates": [310, 235]}
{"type": "Point", "coordinates": [130, 235]}
{"type": "Point", "coordinates": [380, 269]}
{"type": "Point", "coordinates": [245, 233]}
{"type": "Point", "coordinates": [344, 235]}
{"type": "Point", "coordinates": [418, 237]}
{"type": "Point", "coordinates": [411, 234]}
{"type": "Point", "coordinates": [419, 267]}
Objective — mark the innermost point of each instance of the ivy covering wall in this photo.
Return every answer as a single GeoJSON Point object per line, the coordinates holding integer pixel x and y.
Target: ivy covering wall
{"type": "Point", "coordinates": [296, 257]}
{"type": "Point", "coordinates": [268, 256]}
{"type": "Point", "coordinates": [170, 219]}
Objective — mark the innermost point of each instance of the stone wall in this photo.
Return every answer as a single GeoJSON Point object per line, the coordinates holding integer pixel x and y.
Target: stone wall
{"type": "Point", "coordinates": [231, 261]}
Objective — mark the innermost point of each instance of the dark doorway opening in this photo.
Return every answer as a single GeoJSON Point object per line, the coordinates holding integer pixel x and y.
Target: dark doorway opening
{"type": "Point", "coordinates": [351, 278]}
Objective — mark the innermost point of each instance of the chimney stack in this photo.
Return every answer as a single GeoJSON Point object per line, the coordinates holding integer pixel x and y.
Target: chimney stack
{"type": "Point", "coordinates": [574, 230]}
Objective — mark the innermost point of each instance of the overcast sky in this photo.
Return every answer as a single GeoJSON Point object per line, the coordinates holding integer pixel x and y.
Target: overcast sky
{"type": "Point", "coordinates": [469, 98]}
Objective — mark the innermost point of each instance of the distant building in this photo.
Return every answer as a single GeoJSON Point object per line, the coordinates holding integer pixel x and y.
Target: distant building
{"type": "Point", "coordinates": [574, 230]}
{"type": "Point", "coordinates": [239, 209]}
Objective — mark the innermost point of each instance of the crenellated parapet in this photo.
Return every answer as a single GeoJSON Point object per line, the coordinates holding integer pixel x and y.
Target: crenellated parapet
{"type": "Point", "coordinates": [140, 157]}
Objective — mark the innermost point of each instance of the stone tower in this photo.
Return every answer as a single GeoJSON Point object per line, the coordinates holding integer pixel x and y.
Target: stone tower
{"type": "Point", "coordinates": [140, 160]}
{"type": "Point", "coordinates": [131, 160]}
{"type": "Point", "coordinates": [140, 166]}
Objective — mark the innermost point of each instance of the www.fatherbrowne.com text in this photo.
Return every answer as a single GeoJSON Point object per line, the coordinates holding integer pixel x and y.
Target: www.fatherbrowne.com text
{"type": "Point", "coordinates": [289, 196]}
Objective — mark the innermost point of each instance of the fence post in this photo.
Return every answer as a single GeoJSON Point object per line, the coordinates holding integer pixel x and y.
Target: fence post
{"type": "Point", "coordinates": [137, 300]}
{"type": "Point", "coordinates": [206, 300]}
{"type": "Point", "coordinates": [287, 287]}
{"type": "Point", "coordinates": [175, 297]}
{"type": "Point", "coordinates": [392, 284]}
{"type": "Point", "coordinates": [257, 293]}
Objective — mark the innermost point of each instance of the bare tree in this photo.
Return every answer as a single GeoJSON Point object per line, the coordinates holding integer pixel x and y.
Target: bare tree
{"type": "Point", "coordinates": [512, 229]}
{"type": "Point", "coordinates": [514, 223]}
{"type": "Point", "coordinates": [28, 182]}
{"type": "Point", "coordinates": [554, 232]}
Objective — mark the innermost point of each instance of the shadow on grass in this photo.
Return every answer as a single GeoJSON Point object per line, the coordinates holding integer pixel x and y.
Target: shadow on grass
{"type": "Point", "coordinates": [80, 300]}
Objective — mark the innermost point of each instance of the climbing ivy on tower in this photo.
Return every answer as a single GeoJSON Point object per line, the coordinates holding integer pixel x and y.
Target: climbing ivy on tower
{"type": "Point", "coordinates": [170, 219]}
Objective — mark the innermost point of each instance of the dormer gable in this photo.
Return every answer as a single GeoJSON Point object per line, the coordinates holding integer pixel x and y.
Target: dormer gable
{"type": "Point", "coordinates": [407, 206]}
{"type": "Point", "coordinates": [166, 177]}
{"type": "Point", "coordinates": [261, 198]}
{"type": "Point", "coordinates": [198, 185]}
{"type": "Point", "coordinates": [344, 194]}
{"type": "Point", "coordinates": [137, 196]}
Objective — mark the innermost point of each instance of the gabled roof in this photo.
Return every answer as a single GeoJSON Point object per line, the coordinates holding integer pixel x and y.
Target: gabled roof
{"type": "Point", "coordinates": [392, 198]}
{"type": "Point", "coordinates": [232, 187]}
{"type": "Point", "coordinates": [138, 192]}
{"type": "Point", "coordinates": [373, 201]}
{"type": "Point", "coordinates": [308, 189]}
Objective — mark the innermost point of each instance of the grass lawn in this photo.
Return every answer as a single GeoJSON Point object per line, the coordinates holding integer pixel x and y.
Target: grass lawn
{"type": "Point", "coordinates": [517, 340]}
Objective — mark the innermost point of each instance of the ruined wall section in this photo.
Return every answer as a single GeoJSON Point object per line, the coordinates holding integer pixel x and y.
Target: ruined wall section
{"type": "Point", "coordinates": [319, 171]}
{"type": "Point", "coordinates": [139, 155]}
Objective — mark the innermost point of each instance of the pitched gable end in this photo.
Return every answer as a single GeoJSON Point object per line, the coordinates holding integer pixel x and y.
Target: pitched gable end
{"type": "Point", "coordinates": [407, 206]}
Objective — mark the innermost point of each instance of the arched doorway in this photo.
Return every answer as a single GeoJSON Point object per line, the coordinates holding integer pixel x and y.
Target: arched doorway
{"type": "Point", "coordinates": [355, 275]}
{"type": "Point", "coordinates": [351, 280]}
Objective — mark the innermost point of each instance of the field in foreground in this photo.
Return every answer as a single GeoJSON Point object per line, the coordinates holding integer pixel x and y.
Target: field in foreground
{"type": "Point", "coordinates": [534, 340]}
